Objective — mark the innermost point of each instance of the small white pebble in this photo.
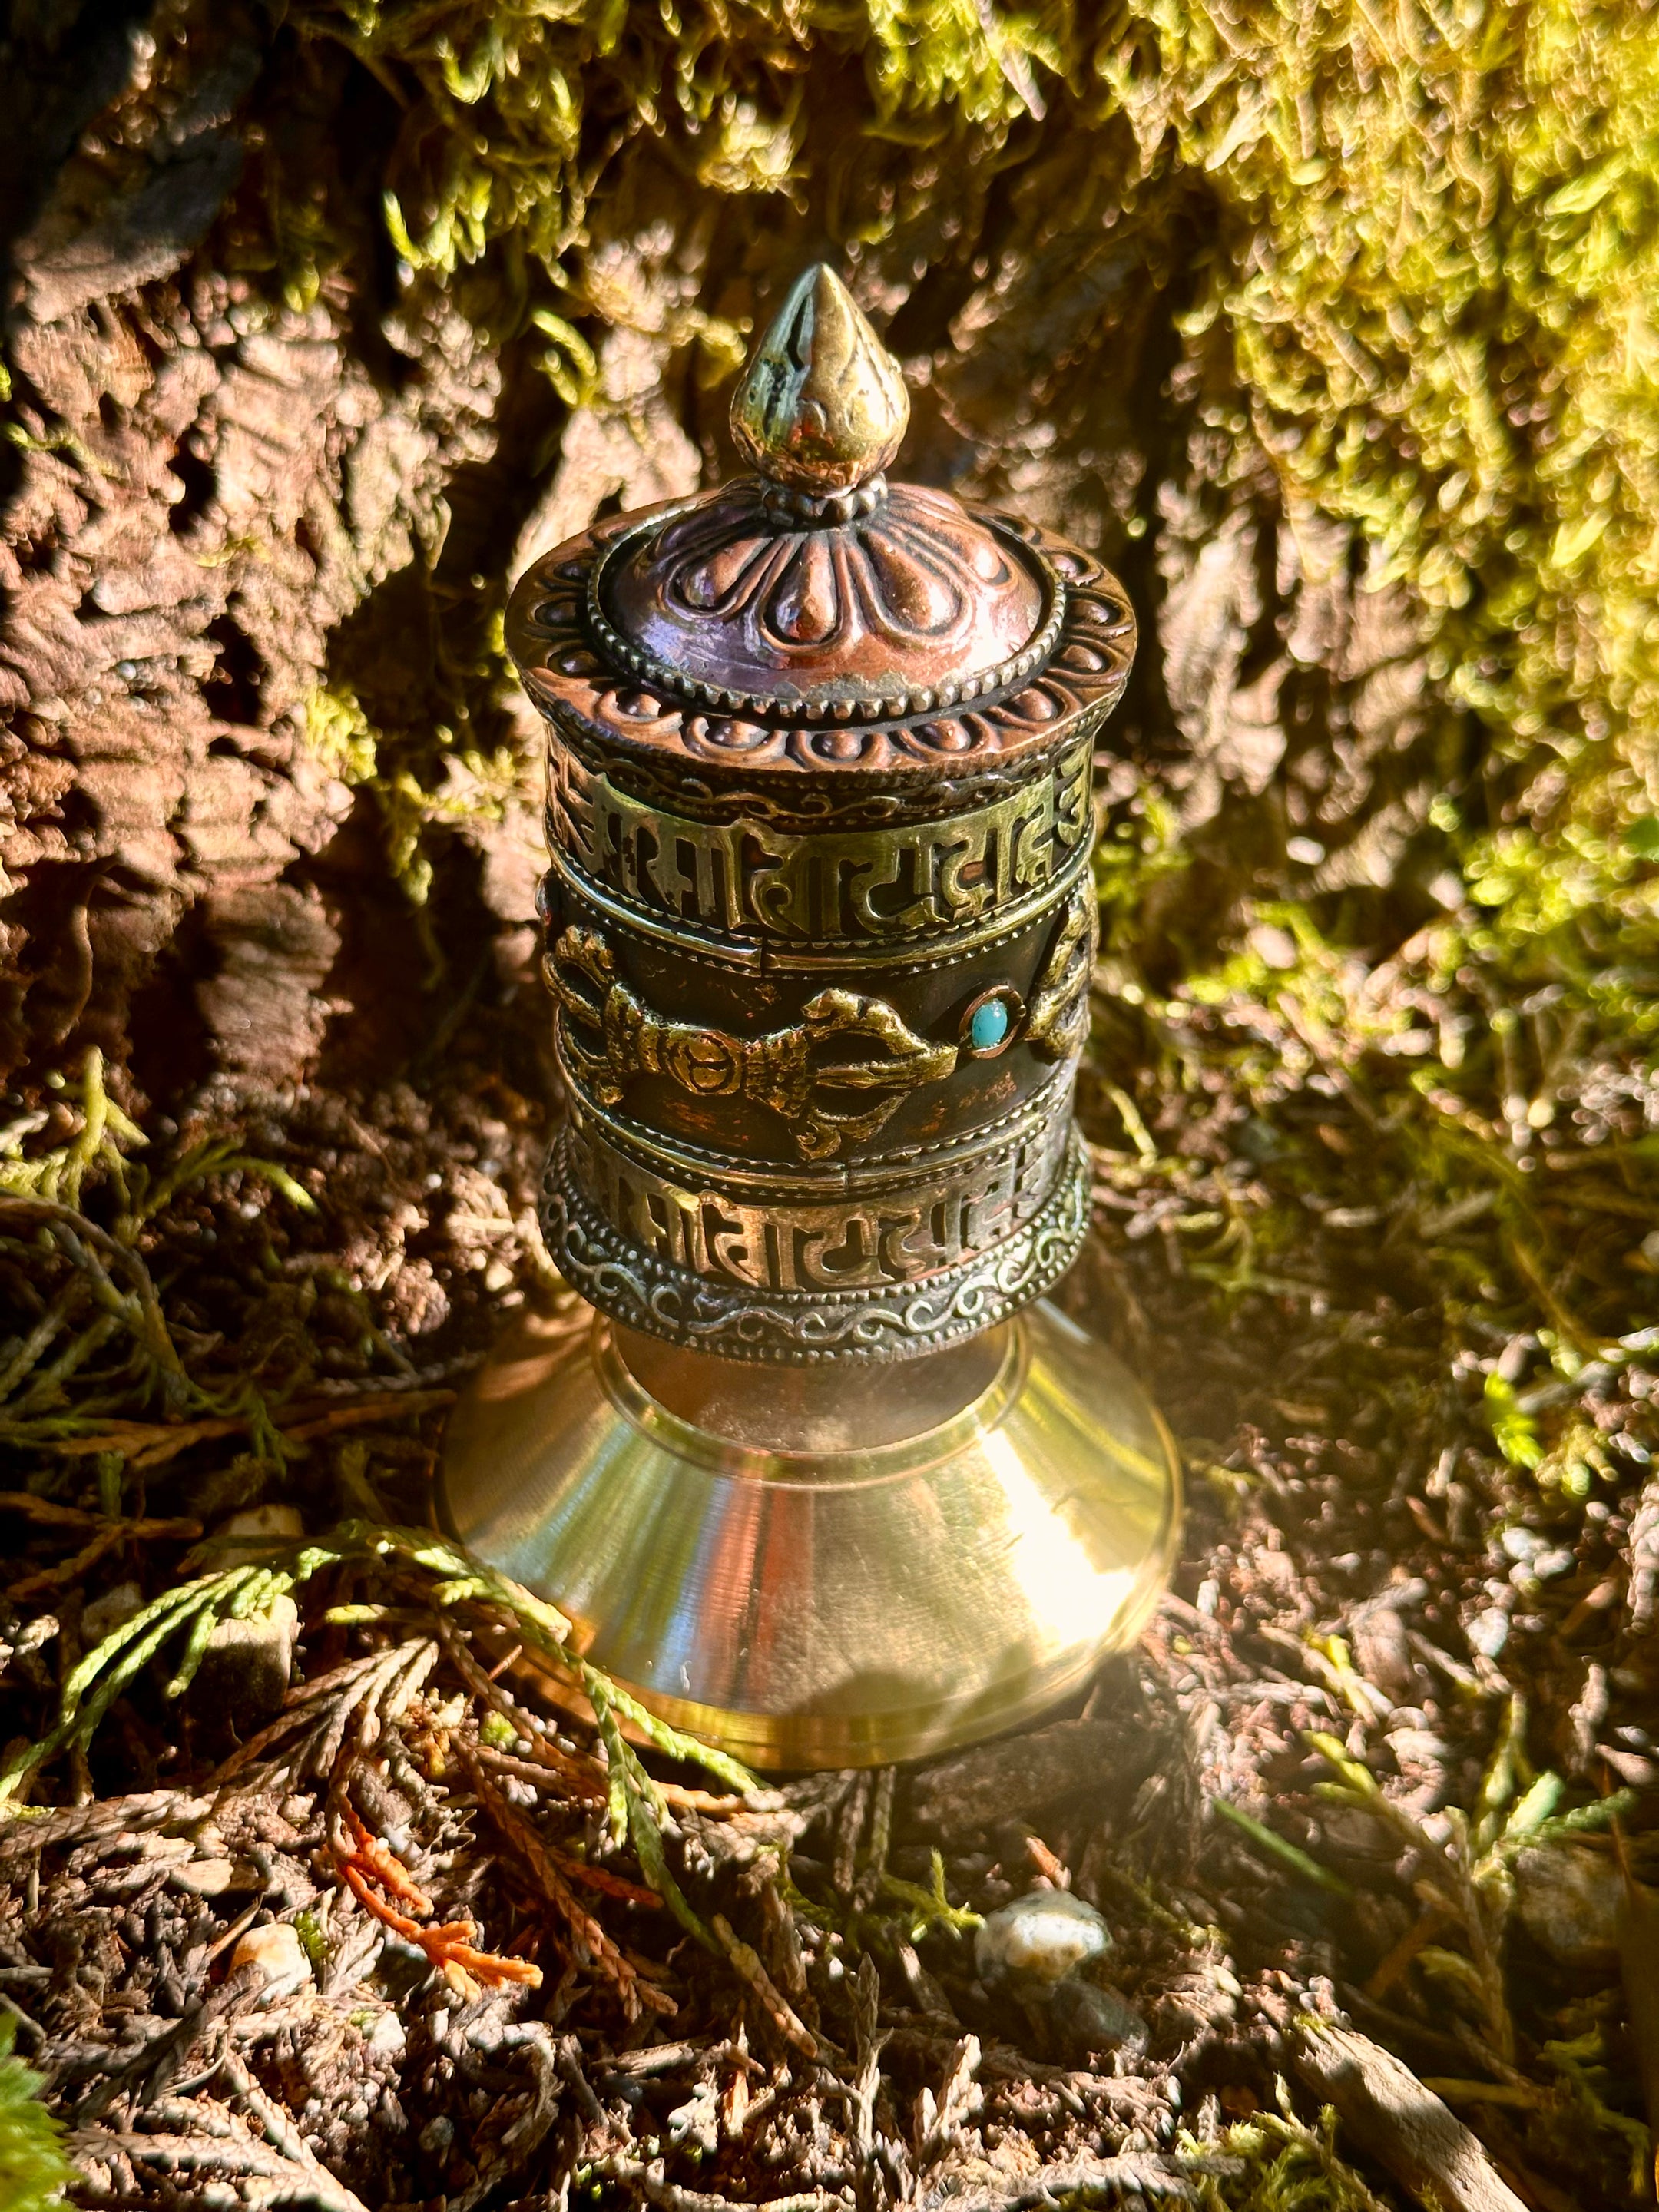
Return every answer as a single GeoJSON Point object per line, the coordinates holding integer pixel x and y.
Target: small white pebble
{"type": "Point", "coordinates": [276, 1951]}
{"type": "Point", "coordinates": [1041, 1937]}
{"type": "Point", "coordinates": [387, 2034]}
{"type": "Point", "coordinates": [204, 1877]}
{"type": "Point", "coordinates": [263, 1521]}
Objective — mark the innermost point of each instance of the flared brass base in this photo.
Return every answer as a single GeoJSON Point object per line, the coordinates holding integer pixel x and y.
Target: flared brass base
{"type": "Point", "coordinates": [816, 1567]}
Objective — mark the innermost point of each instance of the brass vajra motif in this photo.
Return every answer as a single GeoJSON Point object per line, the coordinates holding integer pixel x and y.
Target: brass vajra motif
{"type": "Point", "coordinates": [1057, 1023]}
{"type": "Point", "coordinates": [828, 1100]}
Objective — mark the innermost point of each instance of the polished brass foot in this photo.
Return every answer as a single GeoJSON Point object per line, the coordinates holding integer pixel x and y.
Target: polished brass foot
{"type": "Point", "coordinates": [824, 1567]}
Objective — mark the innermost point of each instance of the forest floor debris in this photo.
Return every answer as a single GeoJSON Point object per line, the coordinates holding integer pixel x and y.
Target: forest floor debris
{"type": "Point", "coordinates": [1369, 1817]}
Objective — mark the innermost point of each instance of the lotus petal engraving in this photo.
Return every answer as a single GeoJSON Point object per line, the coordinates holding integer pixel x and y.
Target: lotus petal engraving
{"type": "Point", "coordinates": [573, 629]}
{"type": "Point", "coordinates": [918, 591]}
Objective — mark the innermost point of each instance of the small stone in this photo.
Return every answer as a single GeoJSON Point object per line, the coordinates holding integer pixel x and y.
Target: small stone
{"type": "Point", "coordinates": [276, 1951]}
{"type": "Point", "coordinates": [1568, 1901]}
{"type": "Point", "coordinates": [1095, 2018]}
{"type": "Point", "coordinates": [110, 1611]}
{"type": "Point", "coordinates": [1040, 1937]}
{"type": "Point", "coordinates": [245, 1671]}
{"type": "Point", "coordinates": [387, 2034]}
{"type": "Point", "coordinates": [264, 1523]}
{"type": "Point", "coordinates": [205, 1877]}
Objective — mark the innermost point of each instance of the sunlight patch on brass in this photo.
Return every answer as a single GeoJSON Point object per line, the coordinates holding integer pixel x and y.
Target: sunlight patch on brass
{"type": "Point", "coordinates": [839, 1607]}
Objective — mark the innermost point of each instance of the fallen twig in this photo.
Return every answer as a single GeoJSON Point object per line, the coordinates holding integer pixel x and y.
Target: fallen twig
{"type": "Point", "coordinates": [633, 1991]}
{"type": "Point", "coordinates": [449, 1944]}
{"type": "Point", "coordinates": [1400, 2122]}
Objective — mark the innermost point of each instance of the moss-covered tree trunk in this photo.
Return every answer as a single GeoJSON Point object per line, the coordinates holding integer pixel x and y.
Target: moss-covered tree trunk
{"type": "Point", "coordinates": [322, 321]}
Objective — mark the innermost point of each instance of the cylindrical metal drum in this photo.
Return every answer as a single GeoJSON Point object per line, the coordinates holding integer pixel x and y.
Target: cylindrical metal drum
{"type": "Point", "coordinates": [820, 925]}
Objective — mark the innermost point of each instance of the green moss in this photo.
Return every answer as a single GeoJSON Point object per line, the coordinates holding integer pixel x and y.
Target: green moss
{"type": "Point", "coordinates": [1417, 250]}
{"type": "Point", "coordinates": [1436, 242]}
{"type": "Point", "coordinates": [34, 2171]}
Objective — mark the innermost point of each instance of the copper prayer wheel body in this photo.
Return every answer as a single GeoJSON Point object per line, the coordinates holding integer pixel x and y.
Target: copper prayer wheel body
{"type": "Point", "coordinates": [819, 919]}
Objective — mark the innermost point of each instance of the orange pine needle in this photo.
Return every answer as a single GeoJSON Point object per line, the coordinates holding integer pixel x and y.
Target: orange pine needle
{"type": "Point", "coordinates": [387, 1869]}
{"type": "Point", "coordinates": [449, 1945]}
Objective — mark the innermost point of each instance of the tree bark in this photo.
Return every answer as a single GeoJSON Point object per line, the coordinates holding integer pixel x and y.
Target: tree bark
{"type": "Point", "coordinates": [264, 772]}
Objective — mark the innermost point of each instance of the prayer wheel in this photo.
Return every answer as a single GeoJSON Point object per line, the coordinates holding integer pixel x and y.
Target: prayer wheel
{"type": "Point", "coordinates": [818, 1470]}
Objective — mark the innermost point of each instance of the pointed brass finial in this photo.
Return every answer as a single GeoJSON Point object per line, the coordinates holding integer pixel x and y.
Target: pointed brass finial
{"type": "Point", "coordinates": [822, 407]}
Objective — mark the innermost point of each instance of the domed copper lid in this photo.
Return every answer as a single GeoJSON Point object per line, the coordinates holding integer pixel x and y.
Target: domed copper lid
{"type": "Point", "coordinates": [813, 616]}
{"type": "Point", "coordinates": [816, 592]}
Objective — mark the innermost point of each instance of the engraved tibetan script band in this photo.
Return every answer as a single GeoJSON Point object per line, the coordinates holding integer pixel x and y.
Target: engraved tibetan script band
{"type": "Point", "coordinates": [929, 1214]}
{"type": "Point", "coordinates": [614, 1272]}
{"type": "Point", "coordinates": [861, 888]}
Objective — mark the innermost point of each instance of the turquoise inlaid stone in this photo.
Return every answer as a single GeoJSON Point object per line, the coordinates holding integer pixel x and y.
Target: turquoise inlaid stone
{"type": "Point", "coordinates": [989, 1025]}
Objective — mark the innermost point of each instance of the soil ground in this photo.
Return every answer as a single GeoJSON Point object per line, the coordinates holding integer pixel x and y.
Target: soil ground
{"type": "Point", "coordinates": [1367, 1813]}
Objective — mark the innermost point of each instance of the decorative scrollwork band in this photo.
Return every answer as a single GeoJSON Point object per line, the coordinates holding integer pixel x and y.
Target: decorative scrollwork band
{"type": "Point", "coordinates": [612, 1271]}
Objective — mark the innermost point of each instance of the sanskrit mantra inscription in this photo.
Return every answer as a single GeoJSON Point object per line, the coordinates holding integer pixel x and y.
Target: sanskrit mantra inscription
{"type": "Point", "coordinates": [901, 880]}
{"type": "Point", "coordinates": [848, 1244]}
